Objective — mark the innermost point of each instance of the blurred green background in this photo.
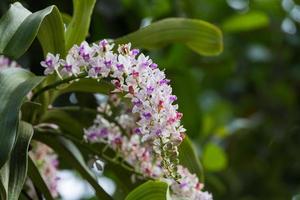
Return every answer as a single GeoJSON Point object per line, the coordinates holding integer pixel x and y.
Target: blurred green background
{"type": "Point", "coordinates": [241, 108]}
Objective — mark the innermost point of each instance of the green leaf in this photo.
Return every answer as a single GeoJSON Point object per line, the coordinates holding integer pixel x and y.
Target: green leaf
{"type": "Point", "coordinates": [66, 18]}
{"type": "Point", "coordinates": [50, 34]}
{"type": "Point", "coordinates": [28, 110]}
{"type": "Point", "coordinates": [15, 84]}
{"type": "Point", "coordinates": [149, 191]}
{"type": "Point", "coordinates": [66, 122]}
{"type": "Point", "coordinates": [85, 85]}
{"type": "Point", "coordinates": [38, 180]}
{"type": "Point", "coordinates": [19, 27]}
{"type": "Point", "coordinates": [69, 152]}
{"type": "Point", "coordinates": [246, 22]}
{"type": "Point", "coordinates": [78, 28]}
{"type": "Point", "coordinates": [10, 22]}
{"type": "Point", "coordinates": [296, 197]}
{"type": "Point", "coordinates": [202, 37]}
{"type": "Point", "coordinates": [14, 172]}
{"type": "Point", "coordinates": [189, 158]}
{"type": "Point", "coordinates": [214, 157]}
{"type": "Point", "coordinates": [18, 161]}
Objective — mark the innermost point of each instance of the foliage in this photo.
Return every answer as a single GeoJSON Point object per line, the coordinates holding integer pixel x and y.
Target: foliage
{"type": "Point", "coordinates": [28, 97]}
{"type": "Point", "coordinates": [241, 106]}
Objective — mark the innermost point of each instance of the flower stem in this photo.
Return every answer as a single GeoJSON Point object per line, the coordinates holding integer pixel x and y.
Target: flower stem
{"type": "Point", "coordinates": [93, 111]}
{"type": "Point", "coordinates": [87, 147]}
{"type": "Point", "coordinates": [58, 83]}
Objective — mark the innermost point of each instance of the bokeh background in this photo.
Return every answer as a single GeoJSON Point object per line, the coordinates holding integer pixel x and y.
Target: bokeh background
{"type": "Point", "coordinates": [241, 108]}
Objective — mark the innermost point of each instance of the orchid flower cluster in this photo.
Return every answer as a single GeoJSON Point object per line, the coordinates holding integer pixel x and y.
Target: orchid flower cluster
{"type": "Point", "coordinates": [47, 162]}
{"type": "Point", "coordinates": [148, 131]}
{"type": "Point", "coordinates": [139, 154]}
{"type": "Point", "coordinates": [139, 79]}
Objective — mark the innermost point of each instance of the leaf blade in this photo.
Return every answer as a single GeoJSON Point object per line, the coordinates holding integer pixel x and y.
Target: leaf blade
{"type": "Point", "coordinates": [28, 30]}
{"type": "Point", "coordinates": [51, 33]}
{"type": "Point", "coordinates": [14, 84]}
{"type": "Point", "coordinates": [80, 21]}
{"type": "Point", "coordinates": [10, 22]}
{"type": "Point", "coordinates": [38, 180]}
{"type": "Point", "coordinates": [202, 37]}
{"type": "Point", "coordinates": [19, 161]}
{"type": "Point", "coordinates": [150, 190]}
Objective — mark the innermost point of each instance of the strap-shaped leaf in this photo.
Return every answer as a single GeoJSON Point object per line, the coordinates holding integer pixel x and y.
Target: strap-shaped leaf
{"type": "Point", "coordinates": [14, 172]}
{"type": "Point", "coordinates": [15, 84]}
{"type": "Point", "coordinates": [52, 32]}
{"type": "Point", "coordinates": [84, 85]}
{"type": "Point", "coordinates": [66, 122]}
{"type": "Point", "coordinates": [202, 37]}
{"type": "Point", "coordinates": [149, 191]}
{"type": "Point", "coordinates": [19, 27]}
{"type": "Point", "coordinates": [189, 158]}
{"type": "Point", "coordinates": [79, 26]}
{"type": "Point", "coordinates": [19, 160]}
{"type": "Point", "coordinates": [69, 152]}
{"type": "Point", "coordinates": [38, 180]}
{"type": "Point", "coordinates": [10, 23]}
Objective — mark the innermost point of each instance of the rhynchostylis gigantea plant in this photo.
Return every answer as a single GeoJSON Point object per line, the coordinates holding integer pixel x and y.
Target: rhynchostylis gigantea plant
{"type": "Point", "coordinates": [135, 130]}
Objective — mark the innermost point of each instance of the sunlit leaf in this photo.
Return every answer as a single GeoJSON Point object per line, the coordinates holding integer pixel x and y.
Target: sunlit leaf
{"type": "Point", "coordinates": [202, 37]}
{"type": "Point", "coordinates": [78, 28]}
{"type": "Point", "coordinates": [149, 191]}
{"type": "Point", "coordinates": [214, 157]}
{"type": "Point", "coordinates": [246, 22]}
{"type": "Point", "coordinates": [15, 84]}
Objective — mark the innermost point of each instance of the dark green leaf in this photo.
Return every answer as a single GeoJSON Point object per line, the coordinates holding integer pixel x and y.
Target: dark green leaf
{"type": "Point", "coordinates": [78, 28]}
{"type": "Point", "coordinates": [202, 37]}
{"type": "Point", "coordinates": [149, 191]}
{"type": "Point", "coordinates": [50, 34]}
{"type": "Point", "coordinates": [10, 23]}
{"type": "Point", "coordinates": [38, 180]}
{"type": "Point", "coordinates": [246, 22]}
{"type": "Point", "coordinates": [65, 121]}
{"type": "Point", "coordinates": [189, 158]}
{"type": "Point", "coordinates": [15, 84]}
{"type": "Point", "coordinates": [18, 161]}
{"type": "Point", "coordinates": [85, 85]}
